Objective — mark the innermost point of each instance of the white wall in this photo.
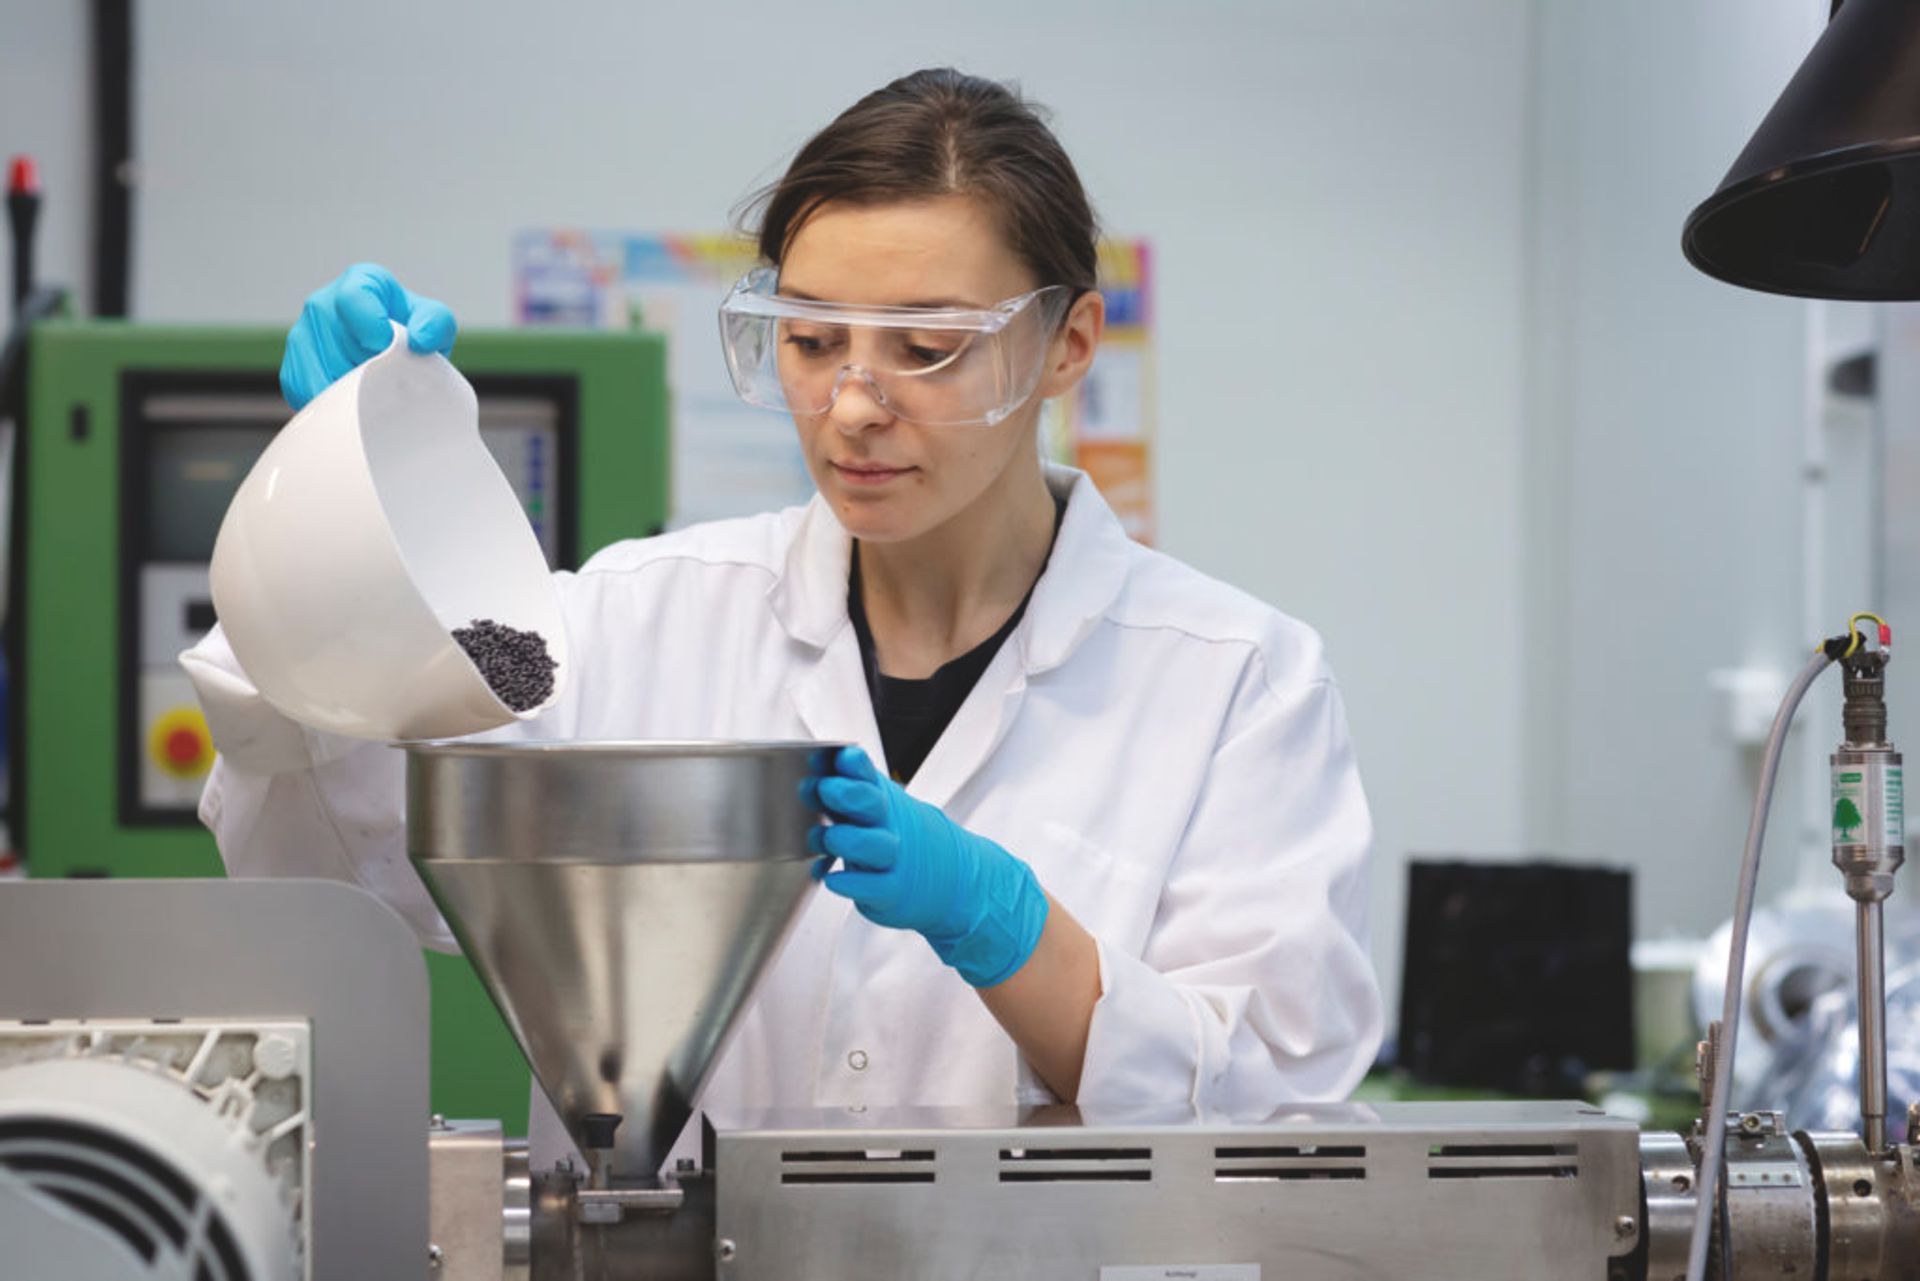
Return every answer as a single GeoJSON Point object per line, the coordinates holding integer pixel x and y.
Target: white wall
{"type": "Point", "coordinates": [1663, 495]}
{"type": "Point", "coordinates": [1334, 193]}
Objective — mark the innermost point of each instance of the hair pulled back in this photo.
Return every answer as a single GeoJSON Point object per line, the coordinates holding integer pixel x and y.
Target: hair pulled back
{"type": "Point", "coordinates": [940, 132]}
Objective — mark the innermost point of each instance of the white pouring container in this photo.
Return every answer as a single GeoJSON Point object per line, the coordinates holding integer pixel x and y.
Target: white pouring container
{"type": "Point", "coordinates": [374, 524]}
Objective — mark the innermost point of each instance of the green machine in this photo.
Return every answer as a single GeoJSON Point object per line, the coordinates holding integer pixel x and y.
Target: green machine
{"type": "Point", "coordinates": [134, 439]}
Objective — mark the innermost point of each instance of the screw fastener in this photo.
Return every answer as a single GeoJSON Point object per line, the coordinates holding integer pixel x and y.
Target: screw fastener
{"type": "Point", "coordinates": [1624, 1226]}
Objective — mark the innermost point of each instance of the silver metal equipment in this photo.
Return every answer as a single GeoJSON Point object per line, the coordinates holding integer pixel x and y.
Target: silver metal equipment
{"type": "Point", "coordinates": [209, 1079]}
{"type": "Point", "coordinates": [1347, 1191]}
{"type": "Point", "coordinates": [225, 1102]}
{"type": "Point", "coordinates": [620, 902]}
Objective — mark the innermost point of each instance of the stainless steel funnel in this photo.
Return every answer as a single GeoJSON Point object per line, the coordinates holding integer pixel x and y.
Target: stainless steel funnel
{"type": "Point", "coordinates": [619, 901]}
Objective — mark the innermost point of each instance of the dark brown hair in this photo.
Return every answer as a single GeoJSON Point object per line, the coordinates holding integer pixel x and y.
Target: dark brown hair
{"type": "Point", "coordinates": [940, 132]}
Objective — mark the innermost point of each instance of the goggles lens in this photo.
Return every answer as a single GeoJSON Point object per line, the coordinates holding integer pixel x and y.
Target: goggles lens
{"type": "Point", "coordinates": [933, 366]}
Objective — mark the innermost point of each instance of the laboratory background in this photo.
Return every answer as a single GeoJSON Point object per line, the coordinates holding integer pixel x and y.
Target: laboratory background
{"type": "Point", "coordinates": [1403, 343]}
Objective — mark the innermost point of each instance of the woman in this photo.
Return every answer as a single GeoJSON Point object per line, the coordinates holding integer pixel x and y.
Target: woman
{"type": "Point", "coordinates": [1103, 839]}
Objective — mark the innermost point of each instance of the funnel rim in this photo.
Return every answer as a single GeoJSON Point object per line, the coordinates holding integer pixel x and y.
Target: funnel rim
{"type": "Point", "coordinates": [605, 802]}
{"type": "Point", "coordinates": [614, 747]}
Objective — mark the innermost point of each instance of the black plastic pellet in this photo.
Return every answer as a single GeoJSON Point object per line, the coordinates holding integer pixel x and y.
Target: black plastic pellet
{"type": "Point", "coordinates": [516, 664]}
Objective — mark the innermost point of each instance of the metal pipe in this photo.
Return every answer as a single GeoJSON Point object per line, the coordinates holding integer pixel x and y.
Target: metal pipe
{"type": "Point", "coordinates": [516, 1236]}
{"type": "Point", "coordinates": [1713, 1108]}
{"type": "Point", "coordinates": [113, 171]}
{"type": "Point", "coordinates": [1870, 966]}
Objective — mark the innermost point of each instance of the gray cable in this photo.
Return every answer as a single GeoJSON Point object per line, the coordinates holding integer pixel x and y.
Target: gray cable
{"type": "Point", "coordinates": [1713, 1113]}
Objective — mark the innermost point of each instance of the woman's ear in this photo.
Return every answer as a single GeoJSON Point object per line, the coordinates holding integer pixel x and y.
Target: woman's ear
{"type": "Point", "coordinates": [1071, 351]}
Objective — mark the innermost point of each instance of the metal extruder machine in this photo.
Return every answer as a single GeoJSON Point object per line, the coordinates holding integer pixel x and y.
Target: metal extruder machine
{"type": "Point", "coordinates": [228, 1080]}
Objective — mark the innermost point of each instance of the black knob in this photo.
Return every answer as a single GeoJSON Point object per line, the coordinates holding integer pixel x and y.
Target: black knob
{"type": "Point", "coordinates": [600, 1127]}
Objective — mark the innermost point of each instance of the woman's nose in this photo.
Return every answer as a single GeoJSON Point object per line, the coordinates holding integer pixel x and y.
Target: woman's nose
{"type": "Point", "coordinates": [857, 406]}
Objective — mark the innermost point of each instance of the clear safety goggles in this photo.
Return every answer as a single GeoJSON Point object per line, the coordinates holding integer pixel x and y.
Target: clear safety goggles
{"type": "Point", "coordinates": [940, 367]}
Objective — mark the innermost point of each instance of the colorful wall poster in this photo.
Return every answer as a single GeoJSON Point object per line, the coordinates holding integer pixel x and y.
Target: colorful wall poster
{"type": "Point", "coordinates": [729, 458]}
{"type": "Point", "coordinates": [1106, 429]}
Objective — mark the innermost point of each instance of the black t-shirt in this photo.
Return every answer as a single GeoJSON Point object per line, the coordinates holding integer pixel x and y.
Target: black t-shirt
{"type": "Point", "coordinates": [912, 714]}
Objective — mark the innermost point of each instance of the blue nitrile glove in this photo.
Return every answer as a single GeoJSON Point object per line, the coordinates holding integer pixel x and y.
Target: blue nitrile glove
{"type": "Point", "coordinates": [347, 322]}
{"type": "Point", "coordinates": [911, 867]}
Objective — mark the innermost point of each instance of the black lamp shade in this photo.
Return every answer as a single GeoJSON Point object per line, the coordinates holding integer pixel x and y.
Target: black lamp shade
{"type": "Point", "coordinates": [1825, 200]}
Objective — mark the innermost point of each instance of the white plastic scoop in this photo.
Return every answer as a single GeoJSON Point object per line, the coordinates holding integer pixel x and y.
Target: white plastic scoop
{"type": "Point", "coordinates": [374, 524]}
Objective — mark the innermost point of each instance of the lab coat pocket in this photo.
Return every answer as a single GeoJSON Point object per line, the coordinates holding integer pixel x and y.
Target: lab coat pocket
{"type": "Point", "coordinates": [1111, 894]}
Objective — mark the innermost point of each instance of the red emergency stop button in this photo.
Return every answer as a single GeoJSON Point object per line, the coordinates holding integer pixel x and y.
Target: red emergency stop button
{"type": "Point", "coordinates": [180, 743]}
{"type": "Point", "coordinates": [183, 747]}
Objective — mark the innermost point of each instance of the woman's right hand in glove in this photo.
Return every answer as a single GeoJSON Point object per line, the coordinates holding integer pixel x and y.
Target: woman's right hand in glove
{"type": "Point", "coordinates": [351, 320]}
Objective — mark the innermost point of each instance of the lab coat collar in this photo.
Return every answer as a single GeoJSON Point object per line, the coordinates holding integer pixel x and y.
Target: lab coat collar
{"type": "Point", "coordinates": [1083, 576]}
{"type": "Point", "coordinates": [810, 600]}
{"type": "Point", "coordinates": [810, 595]}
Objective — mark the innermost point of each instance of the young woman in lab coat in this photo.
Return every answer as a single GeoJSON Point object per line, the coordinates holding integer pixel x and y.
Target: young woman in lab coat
{"type": "Point", "coordinates": [1103, 840]}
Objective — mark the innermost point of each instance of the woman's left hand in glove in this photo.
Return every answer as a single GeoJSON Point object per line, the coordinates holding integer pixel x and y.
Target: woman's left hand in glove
{"type": "Point", "coordinates": [907, 865]}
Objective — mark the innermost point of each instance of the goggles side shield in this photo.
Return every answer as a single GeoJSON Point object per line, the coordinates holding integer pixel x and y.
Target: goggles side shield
{"type": "Point", "coordinates": [934, 366]}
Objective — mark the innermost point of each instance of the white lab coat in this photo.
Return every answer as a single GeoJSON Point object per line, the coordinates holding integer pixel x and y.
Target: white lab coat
{"type": "Point", "coordinates": [1168, 754]}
